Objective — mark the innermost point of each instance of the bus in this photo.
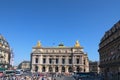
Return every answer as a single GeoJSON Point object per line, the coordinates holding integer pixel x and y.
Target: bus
{"type": "Point", "coordinates": [9, 72]}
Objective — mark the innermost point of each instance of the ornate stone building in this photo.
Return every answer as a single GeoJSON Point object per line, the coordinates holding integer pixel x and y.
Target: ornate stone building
{"type": "Point", "coordinates": [109, 50]}
{"type": "Point", "coordinates": [24, 65]}
{"type": "Point", "coordinates": [59, 59]}
{"type": "Point", "coordinates": [94, 66]}
{"type": "Point", "coordinates": [5, 53]}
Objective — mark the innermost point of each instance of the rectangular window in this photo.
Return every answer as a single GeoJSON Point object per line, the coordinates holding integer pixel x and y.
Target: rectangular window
{"type": "Point", "coordinates": [77, 61]}
{"type": "Point", "coordinates": [36, 60]}
{"type": "Point", "coordinates": [63, 61]}
{"type": "Point", "coordinates": [50, 60]}
{"type": "Point", "coordinates": [70, 61]}
{"type": "Point", "coordinates": [56, 61]}
{"type": "Point", "coordinates": [84, 62]}
{"type": "Point", "coordinates": [44, 60]}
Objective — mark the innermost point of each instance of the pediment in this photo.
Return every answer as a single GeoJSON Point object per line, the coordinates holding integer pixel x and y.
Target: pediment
{"type": "Point", "coordinates": [37, 51]}
{"type": "Point", "coordinates": [77, 51]}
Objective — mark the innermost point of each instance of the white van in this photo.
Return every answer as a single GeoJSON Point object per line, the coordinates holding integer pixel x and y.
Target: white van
{"type": "Point", "coordinates": [19, 72]}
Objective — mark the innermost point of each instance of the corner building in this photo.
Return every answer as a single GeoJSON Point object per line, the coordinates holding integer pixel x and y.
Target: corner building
{"type": "Point", "coordinates": [94, 66]}
{"type": "Point", "coordinates": [24, 65]}
{"type": "Point", "coordinates": [109, 51]}
{"type": "Point", "coordinates": [5, 54]}
{"type": "Point", "coordinates": [59, 59]}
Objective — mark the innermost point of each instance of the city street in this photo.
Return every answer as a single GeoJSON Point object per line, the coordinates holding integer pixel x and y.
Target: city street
{"type": "Point", "coordinates": [59, 40]}
{"type": "Point", "coordinates": [64, 78]}
{"type": "Point", "coordinates": [71, 78]}
{"type": "Point", "coordinates": [68, 78]}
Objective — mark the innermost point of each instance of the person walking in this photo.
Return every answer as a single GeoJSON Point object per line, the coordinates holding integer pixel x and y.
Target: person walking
{"type": "Point", "coordinates": [42, 78]}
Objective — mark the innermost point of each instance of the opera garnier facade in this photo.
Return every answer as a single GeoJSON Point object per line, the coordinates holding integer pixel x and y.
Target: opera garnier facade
{"type": "Point", "coordinates": [109, 50]}
{"type": "Point", "coordinates": [59, 59]}
{"type": "Point", "coordinates": [5, 53]}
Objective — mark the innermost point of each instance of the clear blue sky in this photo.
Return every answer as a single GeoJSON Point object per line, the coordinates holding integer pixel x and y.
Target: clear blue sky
{"type": "Point", "coordinates": [24, 22]}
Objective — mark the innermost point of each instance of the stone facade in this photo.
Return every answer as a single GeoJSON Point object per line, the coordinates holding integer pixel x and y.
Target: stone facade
{"type": "Point", "coordinates": [25, 65]}
{"type": "Point", "coordinates": [5, 53]}
{"type": "Point", "coordinates": [109, 50]}
{"type": "Point", "coordinates": [59, 59]}
{"type": "Point", "coordinates": [94, 66]}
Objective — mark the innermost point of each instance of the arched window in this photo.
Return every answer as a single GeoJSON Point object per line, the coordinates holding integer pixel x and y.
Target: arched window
{"type": "Point", "coordinates": [50, 69]}
{"type": "Point", "coordinates": [78, 69]}
{"type": "Point", "coordinates": [36, 60]}
{"type": "Point", "coordinates": [43, 69]}
{"type": "Point", "coordinates": [56, 69]}
{"type": "Point", "coordinates": [63, 69]}
{"type": "Point", "coordinates": [36, 68]}
{"type": "Point", "coordinates": [70, 69]}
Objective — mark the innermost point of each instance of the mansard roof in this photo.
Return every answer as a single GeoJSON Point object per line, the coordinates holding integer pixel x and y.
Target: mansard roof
{"type": "Point", "coordinates": [3, 41]}
{"type": "Point", "coordinates": [111, 31]}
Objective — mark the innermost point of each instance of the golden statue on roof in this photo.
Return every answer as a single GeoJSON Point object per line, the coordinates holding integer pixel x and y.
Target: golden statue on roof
{"type": "Point", "coordinates": [38, 44]}
{"type": "Point", "coordinates": [77, 44]}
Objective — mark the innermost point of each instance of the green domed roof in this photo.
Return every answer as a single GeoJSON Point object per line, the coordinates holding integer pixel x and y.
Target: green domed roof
{"type": "Point", "coordinates": [61, 44]}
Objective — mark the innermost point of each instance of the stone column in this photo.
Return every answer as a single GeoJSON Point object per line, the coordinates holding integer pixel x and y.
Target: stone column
{"type": "Point", "coordinates": [32, 70]}
{"type": "Point", "coordinates": [40, 68]}
{"type": "Point", "coordinates": [47, 60]}
{"type": "Point", "coordinates": [60, 69]}
{"type": "Point", "coordinates": [60, 60]}
{"type": "Point", "coordinates": [66, 60]}
{"type": "Point", "coordinates": [87, 64]}
{"type": "Point", "coordinates": [53, 68]}
{"type": "Point", "coordinates": [66, 69]}
{"type": "Point", "coordinates": [74, 59]}
{"type": "Point", "coordinates": [33, 59]}
{"type": "Point", "coordinates": [46, 68]}
{"type": "Point", "coordinates": [41, 59]}
{"type": "Point", "coordinates": [80, 59]}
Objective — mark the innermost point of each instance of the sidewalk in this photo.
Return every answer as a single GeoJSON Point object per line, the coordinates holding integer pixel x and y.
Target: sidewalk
{"type": "Point", "coordinates": [59, 78]}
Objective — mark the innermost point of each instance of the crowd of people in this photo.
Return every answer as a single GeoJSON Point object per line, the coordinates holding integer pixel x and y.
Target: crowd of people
{"type": "Point", "coordinates": [30, 77]}
{"type": "Point", "coordinates": [24, 78]}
